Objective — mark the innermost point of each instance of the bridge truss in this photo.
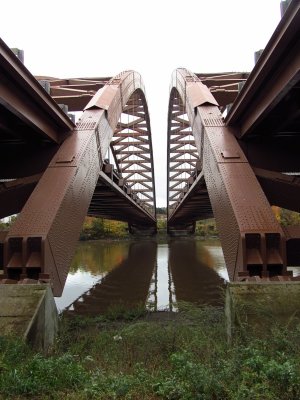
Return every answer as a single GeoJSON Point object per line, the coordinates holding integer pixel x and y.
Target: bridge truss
{"type": "Point", "coordinates": [232, 151]}
{"type": "Point", "coordinates": [58, 172]}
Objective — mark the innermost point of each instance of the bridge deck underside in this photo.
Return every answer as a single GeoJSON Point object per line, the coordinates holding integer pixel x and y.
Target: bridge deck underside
{"type": "Point", "coordinates": [194, 206]}
{"type": "Point", "coordinates": [112, 202]}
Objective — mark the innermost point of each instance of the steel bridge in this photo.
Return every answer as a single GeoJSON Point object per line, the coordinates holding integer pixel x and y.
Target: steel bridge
{"type": "Point", "coordinates": [55, 172]}
{"type": "Point", "coordinates": [233, 151]}
{"type": "Point", "coordinates": [233, 142]}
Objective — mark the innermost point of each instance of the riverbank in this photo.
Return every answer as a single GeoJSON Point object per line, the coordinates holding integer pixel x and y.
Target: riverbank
{"type": "Point", "coordinates": [141, 355]}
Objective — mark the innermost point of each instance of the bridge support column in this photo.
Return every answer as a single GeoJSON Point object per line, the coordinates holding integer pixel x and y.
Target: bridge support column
{"type": "Point", "coordinates": [182, 230]}
{"type": "Point", "coordinates": [41, 243]}
{"type": "Point", "coordinates": [252, 240]}
{"type": "Point", "coordinates": [140, 230]}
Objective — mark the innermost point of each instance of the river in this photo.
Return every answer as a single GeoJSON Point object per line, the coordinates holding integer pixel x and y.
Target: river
{"type": "Point", "coordinates": [156, 274]}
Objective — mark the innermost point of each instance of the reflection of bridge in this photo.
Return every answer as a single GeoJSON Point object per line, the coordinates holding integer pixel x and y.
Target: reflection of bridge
{"type": "Point", "coordinates": [233, 166]}
{"type": "Point", "coordinates": [195, 278]}
{"type": "Point", "coordinates": [56, 172]}
{"type": "Point", "coordinates": [186, 269]}
{"type": "Point", "coordinates": [125, 286]}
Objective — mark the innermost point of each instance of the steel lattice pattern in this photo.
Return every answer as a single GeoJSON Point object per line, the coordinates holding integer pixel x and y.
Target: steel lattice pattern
{"type": "Point", "coordinates": [182, 151]}
{"type": "Point", "coordinates": [131, 147]}
{"type": "Point", "coordinates": [76, 178]}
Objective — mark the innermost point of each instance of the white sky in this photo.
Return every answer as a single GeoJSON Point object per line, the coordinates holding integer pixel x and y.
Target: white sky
{"type": "Point", "coordinates": [72, 38]}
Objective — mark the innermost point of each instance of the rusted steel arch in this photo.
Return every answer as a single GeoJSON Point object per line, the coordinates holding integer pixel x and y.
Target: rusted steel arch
{"type": "Point", "coordinates": [183, 162]}
{"type": "Point", "coordinates": [41, 243]}
{"type": "Point", "coordinates": [182, 151]}
{"type": "Point", "coordinates": [132, 150]}
{"type": "Point", "coordinates": [252, 240]}
{"type": "Point", "coordinates": [131, 145]}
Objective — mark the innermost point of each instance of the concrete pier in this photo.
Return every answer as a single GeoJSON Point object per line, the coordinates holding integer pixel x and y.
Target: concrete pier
{"type": "Point", "coordinates": [28, 312]}
{"type": "Point", "coordinates": [257, 306]}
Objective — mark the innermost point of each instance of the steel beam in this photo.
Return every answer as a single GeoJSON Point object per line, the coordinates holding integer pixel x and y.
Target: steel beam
{"type": "Point", "coordinates": [15, 193]}
{"type": "Point", "coordinates": [272, 78]}
{"type": "Point", "coordinates": [253, 242]}
{"type": "Point", "coordinates": [109, 200]}
{"type": "Point", "coordinates": [41, 243]}
{"type": "Point", "coordinates": [21, 160]}
{"type": "Point", "coordinates": [281, 190]}
{"type": "Point", "coordinates": [131, 145]}
{"type": "Point", "coordinates": [24, 97]}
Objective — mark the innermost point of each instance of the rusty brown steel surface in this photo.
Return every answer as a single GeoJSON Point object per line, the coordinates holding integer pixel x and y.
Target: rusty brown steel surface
{"type": "Point", "coordinates": [182, 151]}
{"type": "Point", "coordinates": [273, 81]}
{"type": "Point", "coordinates": [132, 150]}
{"type": "Point", "coordinates": [41, 243]}
{"type": "Point", "coordinates": [252, 240]}
{"type": "Point", "coordinates": [225, 86]}
{"type": "Point", "coordinates": [132, 144]}
{"type": "Point", "coordinates": [14, 194]}
{"type": "Point", "coordinates": [113, 199]}
{"type": "Point", "coordinates": [281, 190]}
{"type": "Point", "coordinates": [187, 193]}
{"type": "Point", "coordinates": [23, 99]}
{"type": "Point", "coordinates": [193, 204]}
{"type": "Point", "coordinates": [73, 92]}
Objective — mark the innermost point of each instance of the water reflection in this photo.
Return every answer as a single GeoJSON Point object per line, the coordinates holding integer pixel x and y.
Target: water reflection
{"type": "Point", "coordinates": [193, 273]}
{"type": "Point", "coordinates": [104, 274]}
{"type": "Point", "coordinates": [92, 261]}
{"type": "Point", "coordinates": [215, 251]}
{"type": "Point", "coordinates": [126, 284]}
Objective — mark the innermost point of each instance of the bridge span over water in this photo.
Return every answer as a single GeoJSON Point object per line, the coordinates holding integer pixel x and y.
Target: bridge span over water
{"type": "Point", "coordinates": [54, 172]}
{"type": "Point", "coordinates": [233, 151]}
{"type": "Point", "coordinates": [233, 142]}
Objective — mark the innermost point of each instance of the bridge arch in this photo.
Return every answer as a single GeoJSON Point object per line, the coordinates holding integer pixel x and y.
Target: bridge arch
{"type": "Point", "coordinates": [41, 243]}
{"type": "Point", "coordinates": [219, 182]}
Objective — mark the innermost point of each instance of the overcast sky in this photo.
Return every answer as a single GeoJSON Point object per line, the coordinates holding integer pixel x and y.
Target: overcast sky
{"type": "Point", "coordinates": [72, 38]}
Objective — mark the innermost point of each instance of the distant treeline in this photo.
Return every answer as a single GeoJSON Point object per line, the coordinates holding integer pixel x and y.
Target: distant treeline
{"type": "Point", "coordinates": [161, 210]}
{"type": "Point", "coordinates": [99, 228]}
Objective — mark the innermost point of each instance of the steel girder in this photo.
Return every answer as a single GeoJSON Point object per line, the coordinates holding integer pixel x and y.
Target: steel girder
{"type": "Point", "coordinates": [26, 106]}
{"type": "Point", "coordinates": [131, 145]}
{"type": "Point", "coordinates": [267, 114]}
{"type": "Point", "coordinates": [265, 119]}
{"type": "Point", "coordinates": [73, 92]}
{"type": "Point", "coordinates": [268, 104]}
{"type": "Point", "coordinates": [252, 240]}
{"type": "Point", "coordinates": [41, 243]}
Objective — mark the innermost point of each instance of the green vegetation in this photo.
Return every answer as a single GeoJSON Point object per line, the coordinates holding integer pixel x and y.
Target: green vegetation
{"type": "Point", "coordinates": [6, 224]}
{"type": "Point", "coordinates": [161, 210]}
{"type": "Point", "coordinates": [206, 228]}
{"type": "Point", "coordinates": [161, 224]}
{"type": "Point", "coordinates": [159, 356]}
{"type": "Point", "coordinates": [99, 228]}
{"type": "Point", "coordinates": [286, 217]}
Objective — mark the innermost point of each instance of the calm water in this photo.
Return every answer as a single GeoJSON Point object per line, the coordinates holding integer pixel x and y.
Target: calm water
{"type": "Point", "coordinates": [158, 275]}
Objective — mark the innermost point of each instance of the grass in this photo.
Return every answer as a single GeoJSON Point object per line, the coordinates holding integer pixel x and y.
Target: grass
{"type": "Point", "coordinates": [146, 356]}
